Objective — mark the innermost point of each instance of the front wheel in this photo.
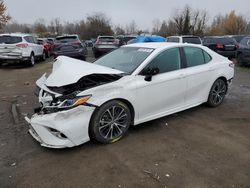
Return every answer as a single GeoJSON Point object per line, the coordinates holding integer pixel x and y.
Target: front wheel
{"type": "Point", "coordinates": [110, 122]}
{"type": "Point", "coordinates": [217, 93]}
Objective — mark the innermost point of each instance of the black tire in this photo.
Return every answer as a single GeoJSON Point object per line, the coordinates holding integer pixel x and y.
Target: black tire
{"type": "Point", "coordinates": [31, 62]}
{"type": "Point", "coordinates": [43, 57]}
{"type": "Point", "coordinates": [240, 60]}
{"type": "Point", "coordinates": [110, 122]}
{"type": "Point", "coordinates": [217, 93]}
{"type": "Point", "coordinates": [48, 54]}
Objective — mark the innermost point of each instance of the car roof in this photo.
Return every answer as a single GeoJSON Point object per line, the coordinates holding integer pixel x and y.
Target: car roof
{"type": "Point", "coordinates": [184, 36]}
{"type": "Point", "coordinates": [16, 34]}
{"type": "Point", "coordinates": [160, 45]}
{"type": "Point", "coordinates": [106, 36]}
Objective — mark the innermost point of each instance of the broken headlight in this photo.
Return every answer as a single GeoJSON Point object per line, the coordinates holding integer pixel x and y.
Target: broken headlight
{"type": "Point", "coordinates": [69, 103]}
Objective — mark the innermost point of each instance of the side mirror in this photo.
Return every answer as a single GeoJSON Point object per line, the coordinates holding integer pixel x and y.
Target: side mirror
{"type": "Point", "coordinates": [149, 73]}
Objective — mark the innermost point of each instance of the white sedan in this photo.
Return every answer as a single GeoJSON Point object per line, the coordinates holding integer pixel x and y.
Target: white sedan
{"type": "Point", "coordinates": [131, 85]}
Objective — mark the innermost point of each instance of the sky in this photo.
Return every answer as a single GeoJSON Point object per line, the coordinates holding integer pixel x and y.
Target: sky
{"type": "Point", "coordinates": [121, 12]}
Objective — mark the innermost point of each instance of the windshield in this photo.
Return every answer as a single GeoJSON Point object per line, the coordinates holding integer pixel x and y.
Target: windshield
{"type": "Point", "coordinates": [125, 59]}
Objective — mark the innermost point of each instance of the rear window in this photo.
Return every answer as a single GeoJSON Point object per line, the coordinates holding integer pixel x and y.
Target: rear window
{"type": "Point", "coordinates": [67, 39]}
{"type": "Point", "coordinates": [173, 39]}
{"type": "Point", "coordinates": [223, 40]}
{"type": "Point", "coordinates": [192, 40]}
{"type": "Point", "coordinates": [106, 39]}
{"type": "Point", "coordinates": [10, 39]}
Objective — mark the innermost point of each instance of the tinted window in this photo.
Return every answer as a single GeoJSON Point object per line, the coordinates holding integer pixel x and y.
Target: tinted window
{"type": "Point", "coordinates": [106, 39]}
{"type": "Point", "coordinates": [29, 39]}
{"type": "Point", "coordinates": [173, 39]}
{"type": "Point", "coordinates": [223, 40]}
{"type": "Point", "coordinates": [207, 57]}
{"type": "Point", "coordinates": [194, 56]}
{"type": "Point", "coordinates": [67, 39]}
{"type": "Point", "coordinates": [245, 41]}
{"type": "Point", "coordinates": [166, 61]}
{"type": "Point", "coordinates": [192, 40]}
{"type": "Point", "coordinates": [126, 59]}
{"type": "Point", "coordinates": [10, 39]}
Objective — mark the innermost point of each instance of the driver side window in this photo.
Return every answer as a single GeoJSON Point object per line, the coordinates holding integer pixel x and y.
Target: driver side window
{"type": "Point", "coordinates": [166, 61]}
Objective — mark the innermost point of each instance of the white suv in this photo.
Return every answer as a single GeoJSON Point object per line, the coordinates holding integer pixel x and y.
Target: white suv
{"type": "Point", "coordinates": [185, 39]}
{"type": "Point", "coordinates": [17, 47]}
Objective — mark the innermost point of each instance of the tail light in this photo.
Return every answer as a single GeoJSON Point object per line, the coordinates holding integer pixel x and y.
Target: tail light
{"type": "Point", "coordinates": [76, 42]}
{"type": "Point", "coordinates": [219, 46]}
{"type": "Point", "coordinates": [231, 64]}
{"type": "Point", "coordinates": [22, 45]}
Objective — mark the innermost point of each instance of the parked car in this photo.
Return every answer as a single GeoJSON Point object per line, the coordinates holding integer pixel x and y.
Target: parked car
{"type": "Point", "coordinates": [48, 48]}
{"type": "Point", "coordinates": [89, 43]}
{"type": "Point", "coordinates": [185, 39]}
{"type": "Point", "coordinates": [225, 46]}
{"type": "Point", "coordinates": [105, 44]}
{"type": "Point", "coordinates": [18, 47]}
{"type": "Point", "coordinates": [131, 85]}
{"type": "Point", "coordinates": [238, 38]}
{"type": "Point", "coordinates": [243, 53]}
{"type": "Point", "coordinates": [123, 39]}
{"type": "Point", "coordinates": [143, 39]}
{"type": "Point", "coordinates": [71, 46]}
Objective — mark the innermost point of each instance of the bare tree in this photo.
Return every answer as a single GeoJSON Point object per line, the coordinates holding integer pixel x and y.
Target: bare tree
{"type": "Point", "coordinates": [16, 27]}
{"type": "Point", "coordinates": [98, 24]}
{"type": "Point", "coordinates": [55, 26]}
{"type": "Point", "coordinates": [4, 18]}
{"type": "Point", "coordinates": [40, 27]}
{"type": "Point", "coordinates": [131, 28]}
{"type": "Point", "coordinates": [119, 30]}
{"type": "Point", "coordinates": [156, 26]}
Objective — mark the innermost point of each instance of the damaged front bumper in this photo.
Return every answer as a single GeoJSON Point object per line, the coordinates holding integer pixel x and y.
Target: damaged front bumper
{"type": "Point", "coordinates": [62, 129]}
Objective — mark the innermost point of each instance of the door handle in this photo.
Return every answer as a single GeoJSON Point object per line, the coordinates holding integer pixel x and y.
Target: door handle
{"type": "Point", "coordinates": [211, 68]}
{"type": "Point", "coordinates": [181, 76]}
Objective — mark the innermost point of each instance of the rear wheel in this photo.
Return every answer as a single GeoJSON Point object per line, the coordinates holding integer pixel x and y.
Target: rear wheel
{"type": "Point", "coordinates": [217, 93]}
{"type": "Point", "coordinates": [110, 122]}
{"type": "Point", "coordinates": [31, 61]}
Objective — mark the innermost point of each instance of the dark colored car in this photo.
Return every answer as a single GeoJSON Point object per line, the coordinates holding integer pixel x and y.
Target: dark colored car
{"type": "Point", "coordinates": [48, 48]}
{"type": "Point", "coordinates": [70, 46]}
{"type": "Point", "coordinates": [123, 40]}
{"type": "Point", "coordinates": [89, 43]}
{"type": "Point", "coordinates": [105, 44]}
{"type": "Point", "coordinates": [243, 53]}
{"type": "Point", "coordinates": [225, 46]}
{"type": "Point", "coordinates": [238, 38]}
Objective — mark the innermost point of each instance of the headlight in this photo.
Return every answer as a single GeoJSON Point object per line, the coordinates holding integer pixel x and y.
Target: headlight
{"type": "Point", "coordinates": [69, 103]}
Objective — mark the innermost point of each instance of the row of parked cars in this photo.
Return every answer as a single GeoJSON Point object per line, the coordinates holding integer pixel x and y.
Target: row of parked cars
{"type": "Point", "coordinates": [25, 48]}
{"type": "Point", "coordinates": [236, 46]}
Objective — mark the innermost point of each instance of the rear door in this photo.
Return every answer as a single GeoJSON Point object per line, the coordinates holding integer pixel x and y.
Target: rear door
{"type": "Point", "coordinates": [199, 72]}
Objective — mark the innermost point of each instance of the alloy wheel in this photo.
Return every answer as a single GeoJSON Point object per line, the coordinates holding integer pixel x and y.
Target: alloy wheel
{"type": "Point", "coordinates": [113, 122]}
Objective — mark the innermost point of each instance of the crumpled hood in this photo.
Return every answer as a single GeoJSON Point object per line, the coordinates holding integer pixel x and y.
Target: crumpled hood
{"type": "Point", "coordinates": [68, 71]}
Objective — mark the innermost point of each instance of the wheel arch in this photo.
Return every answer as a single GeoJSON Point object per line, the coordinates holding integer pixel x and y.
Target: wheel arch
{"type": "Point", "coordinates": [128, 103]}
{"type": "Point", "coordinates": [222, 78]}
